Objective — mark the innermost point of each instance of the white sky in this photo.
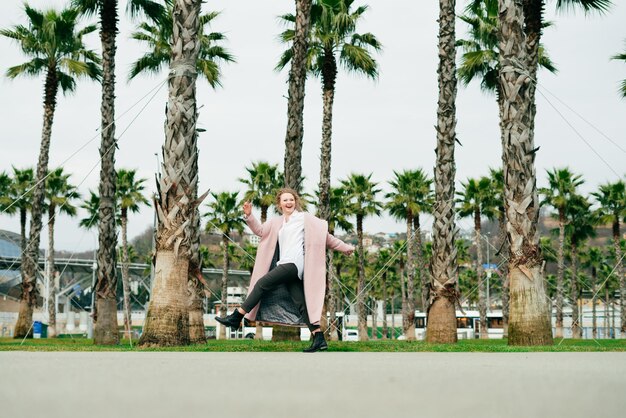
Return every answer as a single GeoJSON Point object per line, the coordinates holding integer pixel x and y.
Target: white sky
{"type": "Point", "coordinates": [378, 126]}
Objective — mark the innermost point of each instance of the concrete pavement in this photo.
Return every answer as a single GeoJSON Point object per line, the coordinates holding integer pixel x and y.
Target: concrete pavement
{"type": "Point", "coordinates": [296, 385]}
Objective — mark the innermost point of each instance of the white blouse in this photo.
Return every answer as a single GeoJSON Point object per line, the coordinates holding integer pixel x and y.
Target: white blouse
{"type": "Point", "coordinates": [291, 242]}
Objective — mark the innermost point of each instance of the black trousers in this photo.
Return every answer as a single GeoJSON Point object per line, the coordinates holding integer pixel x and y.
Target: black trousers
{"type": "Point", "coordinates": [286, 274]}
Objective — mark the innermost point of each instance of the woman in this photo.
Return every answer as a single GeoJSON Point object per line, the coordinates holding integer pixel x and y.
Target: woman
{"type": "Point", "coordinates": [298, 262]}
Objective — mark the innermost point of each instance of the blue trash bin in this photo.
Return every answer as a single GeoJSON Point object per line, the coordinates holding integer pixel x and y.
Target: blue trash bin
{"type": "Point", "coordinates": [37, 329]}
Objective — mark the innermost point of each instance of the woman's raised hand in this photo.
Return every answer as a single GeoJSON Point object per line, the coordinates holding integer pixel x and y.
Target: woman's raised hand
{"type": "Point", "coordinates": [349, 251]}
{"type": "Point", "coordinates": [247, 208]}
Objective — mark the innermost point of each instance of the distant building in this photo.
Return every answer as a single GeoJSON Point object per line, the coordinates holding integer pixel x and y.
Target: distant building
{"type": "Point", "coordinates": [252, 239]}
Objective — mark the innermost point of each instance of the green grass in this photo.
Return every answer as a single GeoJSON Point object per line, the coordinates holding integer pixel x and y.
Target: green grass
{"type": "Point", "coordinates": [488, 346]}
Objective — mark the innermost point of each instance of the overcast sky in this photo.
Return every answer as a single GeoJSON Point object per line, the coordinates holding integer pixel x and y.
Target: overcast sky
{"type": "Point", "coordinates": [379, 126]}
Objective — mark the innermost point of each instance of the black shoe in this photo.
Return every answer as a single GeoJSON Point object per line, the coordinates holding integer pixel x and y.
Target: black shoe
{"type": "Point", "coordinates": [233, 320]}
{"type": "Point", "coordinates": [318, 344]}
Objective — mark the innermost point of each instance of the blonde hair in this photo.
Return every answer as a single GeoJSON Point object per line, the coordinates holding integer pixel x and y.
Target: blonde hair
{"type": "Point", "coordinates": [291, 191]}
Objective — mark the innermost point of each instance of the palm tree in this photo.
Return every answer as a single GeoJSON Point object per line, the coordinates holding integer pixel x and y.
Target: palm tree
{"type": "Point", "coordinates": [264, 180]}
{"type": "Point", "coordinates": [477, 200]}
{"type": "Point", "coordinates": [21, 198]}
{"type": "Point", "coordinates": [333, 41]}
{"type": "Point", "coordinates": [55, 46]}
{"type": "Point", "coordinates": [384, 264]}
{"type": "Point", "coordinates": [621, 57]}
{"type": "Point", "coordinates": [167, 319]}
{"type": "Point", "coordinates": [91, 206]}
{"type": "Point", "coordinates": [360, 198]}
{"type": "Point", "coordinates": [443, 266]}
{"type": "Point", "coordinates": [529, 322]}
{"type": "Point", "coordinates": [225, 215]}
{"type": "Point", "coordinates": [59, 194]}
{"type": "Point", "coordinates": [579, 229]}
{"type": "Point", "coordinates": [295, 102]}
{"type": "Point", "coordinates": [157, 35]}
{"type": "Point", "coordinates": [6, 203]}
{"type": "Point", "coordinates": [559, 193]}
{"type": "Point", "coordinates": [411, 195]}
{"type": "Point", "coordinates": [612, 200]}
{"type": "Point", "coordinates": [592, 259]}
{"type": "Point", "coordinates": [129, 198]}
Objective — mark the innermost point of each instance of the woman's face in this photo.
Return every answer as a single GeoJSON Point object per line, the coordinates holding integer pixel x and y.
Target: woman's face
{"type": "Point", "coordinates": [287, 203]}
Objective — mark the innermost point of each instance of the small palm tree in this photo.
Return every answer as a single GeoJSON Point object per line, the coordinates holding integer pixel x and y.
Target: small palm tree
{"type": "Point", "coordinates": [225, 215]}
{"type": "Point", "coordinates": [55, 46]}
{"type": "Point", "coordinates": [157, 36]}
{"type": "Point", "coordinates": [477, 199]}
{"type": "Point", "coordinates": [59, 194]}
{"type": "Point", "coordinates": [21, 198]}
{"type": "Point", "coordinates": [612, 200]}
{"type": "Point", "coordinates": [264, 180]}
{"type": "Point", "coordinates": [129, 191]}
{"type": "Point", "coordinates": [561, 189]}
{"type": "Point", "coordinates": [361, 202]}
{"type": "Point", "coordinates": [6, 204]}
{"type": "Point", "coordinates": [411, 196]}
{"type": "Point", "coordinates": [621, 57]}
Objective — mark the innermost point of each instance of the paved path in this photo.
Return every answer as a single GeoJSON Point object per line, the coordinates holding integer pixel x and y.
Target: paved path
{"type": "Point", "coordinates": [296, 385]}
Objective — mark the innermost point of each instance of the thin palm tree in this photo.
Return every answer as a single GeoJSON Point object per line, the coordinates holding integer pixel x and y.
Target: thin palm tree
{"type": "Point", "coordinates": [476, 199]}
{"type": "Point", "coordinates": [225, 215]}
{"type": "Point", "coordinates": [176, 202]}
{"type": "Point", "coordinates": [611, 197]}
{"type": "Point", "coordinates": [295, 102]}
{"type": "Point", "coordinates": [21, 198]}
{"type": "Point", "coordinates": [156, 34]}
{"type": "Point", "coordinates": [361, 201]}
{"type": "Point", "coordinates": [529, 322]}
{"type": "Point", "coordinates": [55, 45]}
{"type": "Point", "coordinates": [592, 259]}
{"type": "Point", "coordinates": [333, 42]}
{"type": "Point", "coordinates": [562, 184]}
{"type": "Point", "coordinates": [129, 191]}
{"type": "Point", "coordinates": [621, 57]}
{"type": "Point", "coordinates": [580, 228]}
{"type": "Point", "coordinates": [411, 195]}
{"type": "Point", "coordinates": [264, 180]}
{"type": "Point", "coordinates": [443, 266]}
{"type": "Point", "coordinates": [59, 195]}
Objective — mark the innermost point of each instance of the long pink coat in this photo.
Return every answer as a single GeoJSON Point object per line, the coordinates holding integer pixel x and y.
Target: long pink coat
{"type": "Point", "coordinates": [316, 239]}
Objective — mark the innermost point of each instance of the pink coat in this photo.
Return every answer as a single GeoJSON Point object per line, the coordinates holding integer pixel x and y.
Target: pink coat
{"type": "Point", "coordinates": [316, 240]}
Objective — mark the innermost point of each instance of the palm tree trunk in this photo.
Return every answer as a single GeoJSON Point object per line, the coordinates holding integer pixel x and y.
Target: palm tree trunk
{"type": "Point", "coordinates": [393, 315]}
{"type": "Point", "coordinates": [409, 322]}
{"type": "Point", "coordinates": [504, 272]}
{"type": "Point", "coordinates": [529, 316]}
{"type": "Point", "coordinates": [105, 315]}
{"type": "Point", "coordinates": [419, 260]}
{"type": "Point", "coordinates": [559, 275]}
{"type": "Point", "coordinates": [225, 267]}
{"type": "Point", "coordinates": [374, 311]}
{"type": "Point", "coordinates": [594, 313]}
{"type": "Point", "coordinates": [576, 328]}
{"type": "Point", "coordinates": [52, 319]}
{"type": "Point", "coordinates": [444, 269]}
{"type": "Point", "coordinates": [24, 241]}
{"type": "Point", "coordinates": [331, 300]}
{"type": "Point", "coordinates": [606, 311]}
{"type": "Point", "coordinates": [31, 254]}
{"type": "Point", "coordinates": [385, 328]}
{"type": "Point", "coordinates": [167, 319]}
{"type": "Point", "coordinates": [361, 294]}
{"type": "Point", "coordinates": [480, 273]}
{"type": "Point", "coordinates": [295, 103]}
{"type": "Point", "coordinates": [619, 272]}
{"type": "Point", "coordinates": [126, 274]}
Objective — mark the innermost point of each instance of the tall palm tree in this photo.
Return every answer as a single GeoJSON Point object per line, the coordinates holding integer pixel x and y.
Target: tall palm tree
{"type": "Point", "coordinates": [129, 191]}
{"type": "Point", "coordinates": [612, 200]}
{"type": "Point", "coordinates": [333, 42]}
{"type": "Point", "coordinates": [167, 319]}
{"type": "Point", "coordinates": [264, 180]}
{"type": "Point", "coordinates": [55, 46]}
{"type": "Point", "coordinates": [443, 266]}
{"type": "Point", "coordinates": [225, 215]}
{"type": "Point", "coordinates": [529, 322]}
{"type": "Point", "coordinates": [592, 259]}
{"type": "Point", "coordinates": [411, 195]}
{"type": "Point", "coordinates": [559, 193]}
{"type": "Point", "coordinates": [477, 199]}
{"type": "Point", "coordinates": [360, 197]}
{"type": "Point", "coordinates": [59, 194]}
{"type": "Point", "coordinates": [580, 228]}
{"type": "Point", "coordinates": [384, 264]}
{"type": "Point", "coordinates": [621, 57]}
{"type": "Point", "coordinates": [157, 36]}
{"type": "Point", "coordinates": [295, 102]}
